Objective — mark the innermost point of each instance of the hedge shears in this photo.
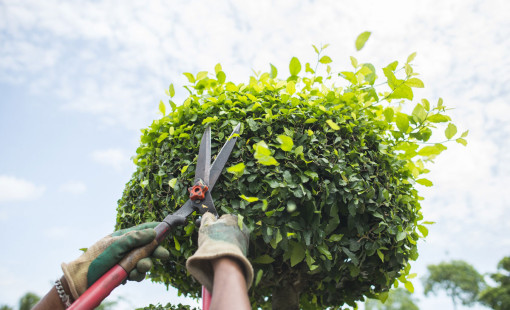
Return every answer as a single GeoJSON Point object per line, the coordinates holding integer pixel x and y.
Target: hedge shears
{"type": "Point", "coordinates": [200, 200]}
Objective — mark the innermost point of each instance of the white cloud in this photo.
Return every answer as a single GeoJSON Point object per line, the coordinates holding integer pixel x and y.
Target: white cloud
{"type": "Point", "coordinates": [115, 158]}
{"type": "Point", "coordinates": [16, 189]}
{"type": "Point", "coordinates": [73, 187]}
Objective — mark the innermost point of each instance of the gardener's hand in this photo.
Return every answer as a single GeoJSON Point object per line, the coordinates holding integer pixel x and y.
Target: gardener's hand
{"type": "Point", "coordinates": [219, 238]}
{"type": "Point", "coordinates": [107, 252]}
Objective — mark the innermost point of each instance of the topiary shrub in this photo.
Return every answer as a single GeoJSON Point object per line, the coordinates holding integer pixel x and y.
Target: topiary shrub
{"type": "Point", "coordinates": [323, 175]}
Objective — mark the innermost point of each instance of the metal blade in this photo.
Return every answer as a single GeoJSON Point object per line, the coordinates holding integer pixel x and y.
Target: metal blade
{"type": "Point", "coordinates": [204, 158]}
{"type": "Point", "coordinates": [222, 158]}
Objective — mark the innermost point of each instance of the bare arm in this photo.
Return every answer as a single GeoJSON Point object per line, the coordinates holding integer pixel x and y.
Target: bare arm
{"type": "Point", "coordinates": [229, 286]}
{"type": "Point", "coordinates": [51, 301]}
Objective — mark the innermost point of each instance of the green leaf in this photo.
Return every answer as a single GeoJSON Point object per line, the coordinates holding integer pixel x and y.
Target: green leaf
{"type": "Point", "coordinates": [237, 170]}
{"type": "Point", "coordinates": [419, 113]}
{"type": "Point", "coordinates": [354, 62]}
{"type": "Point", "coordinates": [201, 75]}
{"type": "Point", "coordinates": [325, 60]}
{"type": "Point", "coordinates": [294, 66]}
{"type": "Point", "coordinates": [409, 286]}
{"type": "Point", "coordinates": [249, 199]}
{"type": "Point", "coordinates": [335, 238]}
{"type": "Point", "coordinates": [217, 68]}
{"type": "Point", "coordinates": [424, 182]}
{"type": "Point", "coordinates": [402, 122]}
{"type": "Point", "coordinates": [333, 125]}
{"type": "Point", "coordinates": [464, 134]}
{"type": "Point", "coordinates": [297, 255]}
{"type": "Point", "coordinates": [221, 77]}
{"type": "Point", "coordinates": [291, 87]}
{"type": "Point", "coordinates": [83, 250]}
{"type": "Point", "coordinates": [183, 170]}
{"type": "Point", "coordinates": [324, 250]}
{"type": "Point", "coordinates": [401, 235]}
{"type": "Point", "coordinates": [424, 230]}
{"type": "Point", "coordinates": [177, 244]}
{"type": "Point", "coordinates": [162, 107]}
{"type": "Point", "coordinates": [274, 72]}
{"type": "Point", "coordinates": [362, 39]}
{"type": "Point", "coordinates": [411, 57]}
{"type": "Point", "coordinates": [381, 255]}
{"type": "Point", "coordinates": [240, 219]}
{"type": "Point", "coordinates": [162, 137]}
{"type": "Point", "coordinates": [450, 131]}
{"type": "Point", "coordinates": [171, 90]}
{"type": "Point", "coordinates": [259, 277]}
{"type": "Point", "coordinates": [263, 154]}
{"type": "Point", "coordinates": [461, 141]}
{"type": "Point", "coordinates": [401, 91]}
{"type": "Point", "coordinates": [438, 118]}
{"type": "Point", "coordinates": [415, 82]}
{"type": "Point", "coordinates": [172, 183]}
{"type": "Point", "coordinates": [432, 150]}
{"type": "Point", "coordinates": [210, 119]}
{"type": "Point", "coordinates": [388, 114]}
{"type": "Point", "coordinates": [190, 77]}
{"type": "Point", "coordinates": [286, 142]}
{"type": "Point", "coordinates": [264, 259]}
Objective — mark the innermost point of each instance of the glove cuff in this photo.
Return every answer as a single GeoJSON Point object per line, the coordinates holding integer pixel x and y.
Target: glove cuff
{"type": "Point", "coordinates": [200, 267]}
{"type": "Point", "coordinates": [66, 268]}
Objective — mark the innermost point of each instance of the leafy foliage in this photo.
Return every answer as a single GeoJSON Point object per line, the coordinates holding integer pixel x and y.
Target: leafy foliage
{"type": "Point", "coordinates": [498, 297]}
{"type": "Point", "coordinates": [458, 279]}
{"type": "Point", "coordinates": [28, 301]}
{"type": "Point", "coordinates": [398, 299]}
{"type": "Point", "coordinates": [323, 173]}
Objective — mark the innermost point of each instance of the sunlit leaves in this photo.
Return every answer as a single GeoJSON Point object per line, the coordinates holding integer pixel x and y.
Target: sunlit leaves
{"type": "Point", "coordinates": [162, 108]}
{"type": "Point", "coordinates": [402, 122]}
{"type": "Point", "coordinates": [325, 60]}
{"type": "Point", "coordinates": [274, 72]}
{"type": "Point", "coordinates": [286, 142]}
{"type": "Point", "coordinates": [263, 154]}
{"type": "Point", "coordinates": [325, 172]}
{"type": "Point", "coordinates": [294, 66]}
{"type": "Point", "coordinates": [237, 170]}
{"type": "Point", "coordinates": [450, 131]}
{"type": "Point", "coordinates": [362, 39]}
{"type": "Point", "coordinates": [332, 124]}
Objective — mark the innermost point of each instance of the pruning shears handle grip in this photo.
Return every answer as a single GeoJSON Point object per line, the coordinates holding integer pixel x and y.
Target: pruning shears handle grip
{"type": "Point", "coordinates": [98, 291]}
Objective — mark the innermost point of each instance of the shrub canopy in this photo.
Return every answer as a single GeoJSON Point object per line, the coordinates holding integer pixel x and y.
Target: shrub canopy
{"type": "Point", "coordinates": [323, 173]}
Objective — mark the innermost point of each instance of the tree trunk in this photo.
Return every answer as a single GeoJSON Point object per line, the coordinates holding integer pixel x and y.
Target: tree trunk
{"type": "Point", "coordinates": [286, 297]}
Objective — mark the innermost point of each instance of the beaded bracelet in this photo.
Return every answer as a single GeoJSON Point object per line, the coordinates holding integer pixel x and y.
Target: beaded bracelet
{"type": "Point", "coordinates": [62, 294]}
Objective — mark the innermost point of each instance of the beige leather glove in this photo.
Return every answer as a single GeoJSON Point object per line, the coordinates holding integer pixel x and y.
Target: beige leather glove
{"type": "Point", "coordinates": [219, 238]}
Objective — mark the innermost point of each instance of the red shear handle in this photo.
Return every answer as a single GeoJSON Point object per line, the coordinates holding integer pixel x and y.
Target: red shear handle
{"type": "Point", "coordinates": [95, 294]}
{"type": "Point", "coordinates": [206, 299]}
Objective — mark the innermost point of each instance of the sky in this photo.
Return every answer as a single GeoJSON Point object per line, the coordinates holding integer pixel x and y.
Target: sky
{"type": "Point", "coordinates": [79, 79]}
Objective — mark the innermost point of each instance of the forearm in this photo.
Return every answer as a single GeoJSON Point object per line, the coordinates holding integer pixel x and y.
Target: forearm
{"type": "Point", "coordinates": [229, 288]}
{"type": "Point", "coordinates": [52, 301]}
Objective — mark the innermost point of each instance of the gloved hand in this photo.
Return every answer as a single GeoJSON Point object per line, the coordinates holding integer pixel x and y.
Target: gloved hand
{"type": "Point", "coordinates": [107, 252]}
{"type": "Point", "coordinates": [219, 238]}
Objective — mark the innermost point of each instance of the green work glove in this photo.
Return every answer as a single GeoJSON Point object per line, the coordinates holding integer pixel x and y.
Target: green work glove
{"type": "Point", "coordinates": [219, 238]}
{"type": "Point", "coordinates": [109, 251]}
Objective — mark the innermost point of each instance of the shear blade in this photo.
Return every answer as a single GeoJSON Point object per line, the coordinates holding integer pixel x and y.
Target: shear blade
{"type": "Point", "coordinates": [204, 158]}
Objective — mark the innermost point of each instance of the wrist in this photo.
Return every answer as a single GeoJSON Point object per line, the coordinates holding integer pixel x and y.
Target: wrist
{"type": "Point", "coordinates": [67, 289]}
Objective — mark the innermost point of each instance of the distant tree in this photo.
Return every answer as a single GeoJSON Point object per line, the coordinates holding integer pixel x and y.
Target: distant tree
{"type": "Point", "coordinates": [27, 301]}
{"type": "Point", "coordinates": [5, 307]}
{"type": "Point", "coordinates": [458, 279]}
{"type": "Point", "coordinates": [398, 299]}
{"type": "Point", "coordinates": [498, 297]}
